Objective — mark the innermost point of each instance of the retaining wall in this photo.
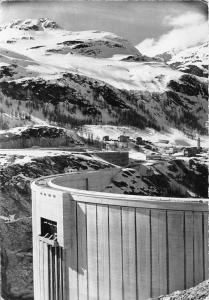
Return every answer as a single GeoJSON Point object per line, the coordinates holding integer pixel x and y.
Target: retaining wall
{"type": "Point", "coordinates": [119, 158]}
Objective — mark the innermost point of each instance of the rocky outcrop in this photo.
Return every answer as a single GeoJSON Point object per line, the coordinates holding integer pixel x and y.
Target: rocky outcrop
{"type": "Point", "coordinates": [192, 69]}
{"type": "Point", "coordinates": [31, 24]}
{"type": "Point", "coordinates": [199, 292]}
{"type": "Point", "coordinates": [140, 57]}
{"type": "Point", "coordinates": [38, 135]}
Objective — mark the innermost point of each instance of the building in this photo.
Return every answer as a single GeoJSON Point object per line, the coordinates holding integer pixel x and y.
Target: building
{"type": "Point", "coordinates": [190, 151]}
{"type": "Point", "coordinates": [93, 245]}
{"type": "Point", "coordinates": [123, 142]}
{"type": "Point", "coordinates": [106, 138]}
{"type": "Point", "coordinates": [123, 138]}
{"type": "Point", "coordinates": [139, 140]}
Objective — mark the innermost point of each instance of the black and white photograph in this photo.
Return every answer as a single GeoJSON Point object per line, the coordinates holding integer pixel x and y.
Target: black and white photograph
{"type": "Point", "coordinates": [104, 150]}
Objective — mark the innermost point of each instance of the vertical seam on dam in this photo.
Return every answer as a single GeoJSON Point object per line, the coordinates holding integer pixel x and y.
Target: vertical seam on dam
{"type": "Point", "coordinates": [193, 248]}
{"type": "Point", "coordinates": [108, 224]}
{"type": "Point", "coordinates": [98, 295]}
{"type": "Point", "coordinates": [185, 262]}
{"type": "Point", "coordinates": [203, 248]}
{"type": "Point", "coordinates": [150, 228]}
{"type": "Point", "coordinates": [76, 209]}
{"type": "Point", "coordinates": [87, 272]}
{"type": "Point", "coordinates": [136, 260]}
{"type": "Point", "coordinates": [122, 260]}
{"type": "Point", "coordinates": [167, 250]}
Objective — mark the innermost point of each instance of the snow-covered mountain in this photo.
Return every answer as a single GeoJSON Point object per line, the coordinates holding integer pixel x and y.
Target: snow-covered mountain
{"type": "Point", "coordinates": [46, 36]}
{"type": "Point", "coordinates": [93, 77]}
{"type": "Point", "coordinates": [194, 60]}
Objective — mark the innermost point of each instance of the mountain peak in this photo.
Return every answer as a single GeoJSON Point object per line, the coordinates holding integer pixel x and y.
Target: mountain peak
{"type": "Point", "coordinates": [50, 41]}
{"type": "Point", "coordinates": [32, 24]}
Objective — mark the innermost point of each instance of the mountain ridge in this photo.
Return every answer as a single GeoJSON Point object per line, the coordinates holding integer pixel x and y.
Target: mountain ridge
{"type": "Point", "coordinates": [87, 81]}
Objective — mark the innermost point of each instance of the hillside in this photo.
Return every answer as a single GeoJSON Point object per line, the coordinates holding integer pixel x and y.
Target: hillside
{"type": "Point", "coordinates": [173, 136]}
{"type": "Point", "coordinates": [79, 78]}
{"type": "Point", "coordinates": [38, 135]}
{"type": "Point", "coordinates": [174, 178]}
{"type": "Point", "coordinates": [193, 60]}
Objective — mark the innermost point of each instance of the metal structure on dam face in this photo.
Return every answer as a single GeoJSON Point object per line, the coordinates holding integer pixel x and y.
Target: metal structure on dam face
{"type": "Point", "coordinates": [90, 245]}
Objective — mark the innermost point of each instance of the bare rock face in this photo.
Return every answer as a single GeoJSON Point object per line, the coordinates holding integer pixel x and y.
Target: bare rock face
{"type": "Point", "coordinates": [199, 292]}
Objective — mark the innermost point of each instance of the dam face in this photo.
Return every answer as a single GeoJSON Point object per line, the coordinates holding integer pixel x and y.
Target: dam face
{"type": "Point", "coordinates": [101, 246]}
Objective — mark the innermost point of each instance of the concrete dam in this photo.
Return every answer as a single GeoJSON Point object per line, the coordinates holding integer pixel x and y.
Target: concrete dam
{"type": "Point", "coordinates": [91, 245]}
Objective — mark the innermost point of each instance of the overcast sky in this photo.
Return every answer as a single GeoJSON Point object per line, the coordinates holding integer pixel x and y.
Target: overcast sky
{"type": "Point", "coordinates": [151, 25]}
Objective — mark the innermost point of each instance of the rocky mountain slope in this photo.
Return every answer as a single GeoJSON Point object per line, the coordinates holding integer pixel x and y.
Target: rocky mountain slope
{"type": "Point", "coordinates": [91, 78]}
{"type": "Point", "coordinates": [194, 60]}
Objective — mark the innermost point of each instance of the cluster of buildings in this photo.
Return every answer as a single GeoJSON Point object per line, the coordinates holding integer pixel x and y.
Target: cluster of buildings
{"type": "Point", "coordinates": [123, 142]}
{"type": "Point", "coordinates": [193, 151]}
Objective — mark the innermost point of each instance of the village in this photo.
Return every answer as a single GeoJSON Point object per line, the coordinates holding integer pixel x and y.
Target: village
{"type": "Point", "coordinates": [156, 151]}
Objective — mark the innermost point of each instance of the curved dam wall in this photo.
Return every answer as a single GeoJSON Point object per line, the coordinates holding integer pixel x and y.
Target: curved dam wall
{"type": "Point", "coordinates": [116, 246]}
